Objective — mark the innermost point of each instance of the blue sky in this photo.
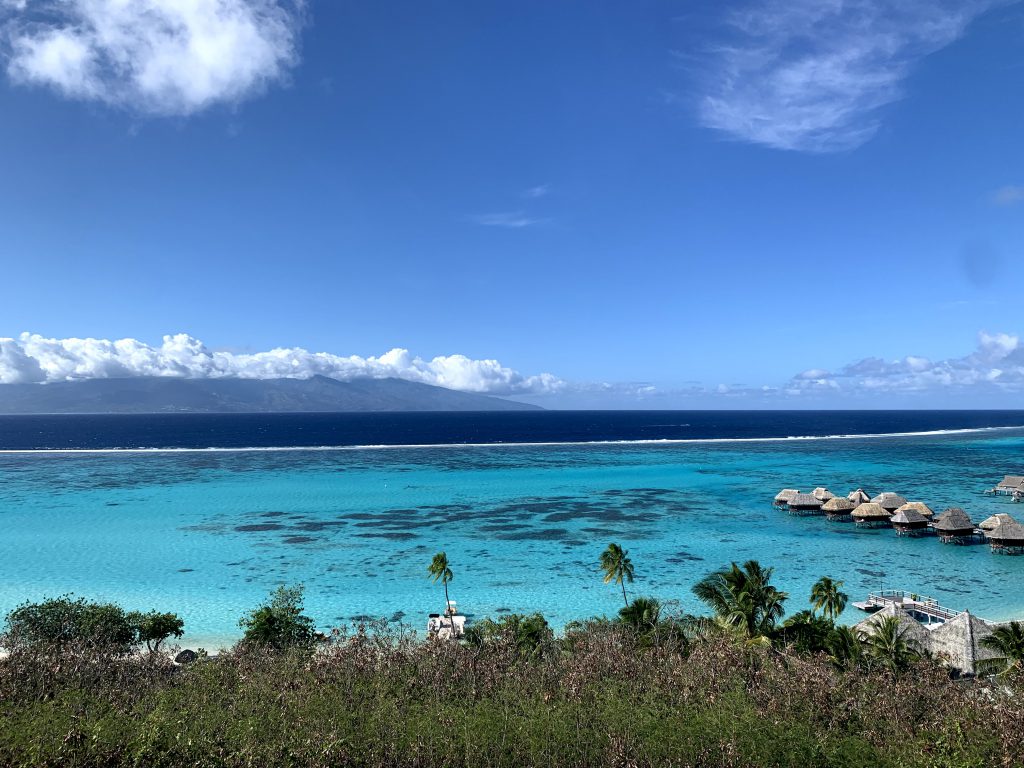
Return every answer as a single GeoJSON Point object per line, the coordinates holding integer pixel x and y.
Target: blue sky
{"type": "Point", "coordinates": [658, 204]}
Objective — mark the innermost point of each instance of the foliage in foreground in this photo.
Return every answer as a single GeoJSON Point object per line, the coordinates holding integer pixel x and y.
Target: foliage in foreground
{"type": "Point", "coordinates": [378, 697]}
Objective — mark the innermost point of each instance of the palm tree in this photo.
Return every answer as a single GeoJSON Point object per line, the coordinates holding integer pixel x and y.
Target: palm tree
{"type": "Point", "coordinates": [617, 567]}
{"type": "Point", "coordinates": [843, 646]}
{"type": "Point", "coordinates": [1008, 642]}
{"type": "Point", "coordinates": [887, 645]}
{"type": "Point", "coordinates": [827, 597]}
{"type": "Point", "coordinates": [439, 570]}
{"type": "Point", "coordinates": [743, 598]}
{"type": "Point", "coordinates": [642, 613]}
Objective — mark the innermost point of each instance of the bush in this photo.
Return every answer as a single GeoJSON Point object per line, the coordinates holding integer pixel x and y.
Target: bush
{"type": "Point", "coordinates": [279, 623]}
{"type": "Point", "coordinates": [154, 628]}
{"type": "Point", "coordinates": [528, 633]}
{"type": "Point", "coordinates": [64, 623]}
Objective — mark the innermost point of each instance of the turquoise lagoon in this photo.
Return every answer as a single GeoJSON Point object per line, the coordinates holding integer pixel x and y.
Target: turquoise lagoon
{"type": "Point", "coordinates": [208, 533]}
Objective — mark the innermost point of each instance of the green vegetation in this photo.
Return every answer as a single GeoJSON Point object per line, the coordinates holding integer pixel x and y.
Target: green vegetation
{"type": "Point", "coordinates": [741, 687]}
{"type": "Point", "coordinates": [439, 570]}
{"type": "Point", "coordinates": [617, 567]}
{"type": "Point", "coordinates": [279, 623]}
{"type": "Point", "coordinates": [1008, 642]}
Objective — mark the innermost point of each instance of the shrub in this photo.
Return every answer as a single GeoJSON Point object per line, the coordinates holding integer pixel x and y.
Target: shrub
{"type": "Point", "coordinates": [279, 623]}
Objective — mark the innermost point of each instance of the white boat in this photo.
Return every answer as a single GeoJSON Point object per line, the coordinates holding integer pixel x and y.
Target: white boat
{"type": "Point", "coordinates": [449, 625]}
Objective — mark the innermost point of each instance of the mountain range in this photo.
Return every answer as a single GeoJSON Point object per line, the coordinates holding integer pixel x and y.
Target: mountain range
{"type": "Point", "coordinates": [227, 395]}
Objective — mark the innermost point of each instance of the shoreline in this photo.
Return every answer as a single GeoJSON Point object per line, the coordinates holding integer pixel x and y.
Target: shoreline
{"type": "Point", "coordinates": [516, 444]}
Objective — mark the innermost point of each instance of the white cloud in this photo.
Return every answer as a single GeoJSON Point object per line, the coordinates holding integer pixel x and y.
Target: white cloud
{"type": "Point", "coordinates": [541, 190]}
{"type": "Point", "coordinates": [161, 57]}
{"type": "Point", "coordinates": [997, 364]}
{"type": "Point", "coordinates": [32, 358]}
{"type": "Point", "coordinates": [507, 219]}
{"type": "Point", "coordinates": [811, 75]}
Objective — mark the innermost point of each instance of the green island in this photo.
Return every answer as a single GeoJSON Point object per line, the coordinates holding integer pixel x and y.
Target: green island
{"type": "Point", "coordinates": [743, 684]}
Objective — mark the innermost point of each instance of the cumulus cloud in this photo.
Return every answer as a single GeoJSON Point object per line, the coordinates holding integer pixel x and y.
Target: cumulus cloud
{"type": "Point", "coordinates": [34, 358]}
{"type": "Point", "coordinates": [811, 75]}
{"type": "Point", "coordinates": [996, 364]}
{"type": "Point", "coordinates": [161, 57]}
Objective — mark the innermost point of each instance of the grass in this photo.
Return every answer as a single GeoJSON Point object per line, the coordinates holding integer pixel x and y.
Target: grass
{"type": "Point", "coordinates": [378, 698]}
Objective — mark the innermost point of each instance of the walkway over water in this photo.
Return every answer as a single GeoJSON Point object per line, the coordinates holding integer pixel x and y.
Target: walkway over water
{"type": "Point", "coordinates": [925, 609]}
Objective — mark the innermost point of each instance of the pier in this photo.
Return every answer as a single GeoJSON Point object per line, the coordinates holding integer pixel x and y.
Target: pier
{"type": "Point", "coordinates": [925, 609]}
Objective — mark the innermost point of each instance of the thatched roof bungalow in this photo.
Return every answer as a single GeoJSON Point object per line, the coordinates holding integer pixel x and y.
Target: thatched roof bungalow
{"type": "Point", "coordinates": [913, 632]}
{"type": "Point", "coordinates": [1006, 536]}
{"type": "Point", "coordinates": [909, 522]}
{"type": "Point", "coordinates": [859, 496]}
{"type": "Point", "coordinates": [991, 522]}
{"type": "Point", "coordinates": [871, 515]}
{"type": "Point", "coordinates": [782, 497]}
{"type": "Point", "coordinates": [954, 526]}
{"type": "Point", "coordinates": [919, 507]}
{"type": "Point", "coordinates": [837, 508]}
{"type": "Point", "coordinates": [805, 504]}
{"type": "Point", "coordinates": [1009, 484]}
{"type": "Point", "coordinates": [957, 642]}
{"type": "Point", "coordinates": [822, 494]}
{"type": "Point", "coordinates": [889, 501]}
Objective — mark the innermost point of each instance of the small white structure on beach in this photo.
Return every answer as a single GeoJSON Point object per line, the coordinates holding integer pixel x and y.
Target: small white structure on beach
{"type": "Point", "coordinates": [451, 625]}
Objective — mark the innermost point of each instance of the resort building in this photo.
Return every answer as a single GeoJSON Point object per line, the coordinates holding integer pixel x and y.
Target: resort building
{"type": "Point", "coordinates": [917, 506]}
{"type": "Point", "coordinates": [782, 498]}
{"type": "Point", "coordinates": [889, 501]}
{"type": "Point", "coordinates": [956, 641]}
{"type": "Point", "coordinates": [954, 527]}
{"type": "Point", "coordinates": [909, 522]}
{"type": "Point", "coordinates": [822, 494]}
{"type": "Point", "coordinates": [1010, 485]}
{"type": "Point", "coordinates": [1005, 536]}
{"type": "Point", "coordinates": [859, 496]}
{"type": "Point", "coordinates": [871, 515]}
{"type": "Point", "coordinates": [837, 508]}
{"type": "Point", "coordinates": [805, 504]}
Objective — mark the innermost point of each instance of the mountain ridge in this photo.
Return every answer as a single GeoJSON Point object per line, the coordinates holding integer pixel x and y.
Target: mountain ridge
{"type": "Point", "coordinates": [317, 394]}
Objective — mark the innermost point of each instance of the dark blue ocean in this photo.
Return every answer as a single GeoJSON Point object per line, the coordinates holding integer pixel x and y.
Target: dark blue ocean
{"type": "Point", "coordinates": [204, 514]}
{"type": "Point", "coordinates": [371, 429]}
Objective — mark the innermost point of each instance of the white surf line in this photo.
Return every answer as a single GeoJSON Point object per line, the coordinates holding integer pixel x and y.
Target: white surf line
{"type": "Point", "coordinates": [555, 443]}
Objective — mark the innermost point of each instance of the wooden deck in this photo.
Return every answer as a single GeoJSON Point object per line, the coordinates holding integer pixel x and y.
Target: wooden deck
{"type": "Point", "coordinates": [924, 609]}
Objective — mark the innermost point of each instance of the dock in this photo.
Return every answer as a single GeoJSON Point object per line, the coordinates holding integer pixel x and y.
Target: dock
{"type": "Point", "coordinates": [925, 609]}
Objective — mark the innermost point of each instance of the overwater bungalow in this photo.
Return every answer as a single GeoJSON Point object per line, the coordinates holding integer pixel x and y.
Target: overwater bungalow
{"type": "Point", "coordinates": [822, 494]}
{"type": "Point", "coordinates": [917, 506]}
{"type": "Point", "coordinates": [871, 515]}
{"type": "Point", "coordinates": [991, 522]}
{"type": "Point", "coordinates": [859, 496]}
{"type": "Point", "coordinates": [782, 497]}
{"type": "Point", "coordinates": [954, 527]}
{"type": "Point", "coordinates": [909, 522]}
{"type": "Point", "coordinates": [889, 501]}
{"type": "Point", "coordinates": [1006, 536]}
{"type": "Point", "coordinates": [805, 504]}
{"type": "Point", "coordinates": [838, 509]}
{"type": "Point", "coordinates": [1009, 485]}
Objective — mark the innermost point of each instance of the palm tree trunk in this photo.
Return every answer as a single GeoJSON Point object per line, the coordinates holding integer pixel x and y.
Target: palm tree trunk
{"type": "Point", "coordinates": [448, 610]}
{"type": "Point", "coordinates": [624, 598]}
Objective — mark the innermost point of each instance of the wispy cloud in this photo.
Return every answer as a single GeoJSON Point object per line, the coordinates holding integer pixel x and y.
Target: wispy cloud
{"type": "Point", "coordinates": [507, 219]}
{"type": "Point", "coordinates": [159, 57]}
{"type": "Point", "coordinates": [1008, 195]}
{"type": "Point", "coordinates": [811, 75]}
{"type": "Point", "coordinates": [34, 358]}
{"type": "Point", "coordinates": [541, 190]}
{"type": "Point", "coordinates": [996, 365]}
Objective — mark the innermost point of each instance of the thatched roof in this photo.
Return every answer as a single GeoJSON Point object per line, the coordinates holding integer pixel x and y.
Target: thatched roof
{"type": "Point", "coordinates": [823, 494]}
{"type": "Point", "coordinates": [913, 632]}
{"type": "Point", "coordinates": [958, 642]}
{"type": "Point", "coordinates": [871, 511]}
{"type": "Point", "coordinates": [786, 494]}
{"type": "Point", "coordinates": [859, 496]}
{"type": "Point", "coordinates": [891, 501]}
{"type": "Point", "coordinates": [1007, 531]}
{"type": "Point", "coordinates": [919, 507]}
{"type": "Point", "coordinates": [991, 522]}
{"type": "Point", "coordinates": [805, 500]}
{"type": "Point", "coordinates": [1011, 483]}
{"type": "Point", "coordinates": [953, 519]}
{"type": "Point", "coordinates": [905, 516]}
{"type": "Point", "coordinates": [837, 504]}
